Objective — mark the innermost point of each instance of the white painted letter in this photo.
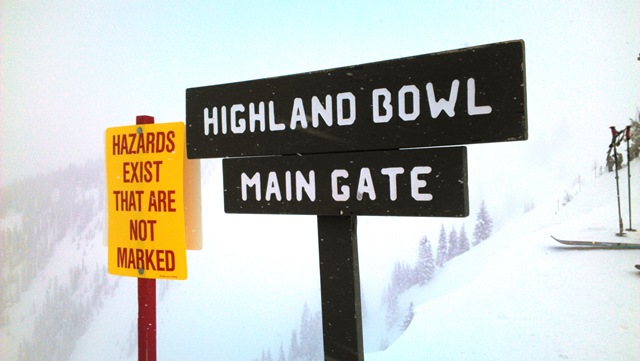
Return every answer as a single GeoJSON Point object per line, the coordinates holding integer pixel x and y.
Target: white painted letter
{"type": "Point", "coordinates": [273, 187]}
{"type": "Point", "coordinates": [340, 98]}
{"type": "Point", "coordinates": [386, 104]}
{"type": "Point", "coordinates": [417, 183]}
{"type": "Point", "coordinates": [325, 112]}
{"type": "Point", "coordinates": [298, 114]}
{"type": "Point", "coordinates": [273, 126]}
{"type": "Point", "coordinates": [344, 195]}
{"type": "Point", "coordinates": [256, 117]}
{"type": "Point", "coordinates": [254, 181]}
{"type": "Point", "coordinates": [365, 185]}
{"type": "Point", "coordinates": [416, 102]}
{"type": "Point", "coordinates": [447, 105]}
{"type": "Point", "coordinates": [241, 126]}
{"type": "Point", "coordinates": [471, 100]}
{"type": "Point", "coordinates": [211, 120]}
{"type": "Point", "coordinates": [223, 115]}
{"type": "Point", "coordinates": [309, 186]}
{"type": "Point", "coordinates": [392, 172]}
{"type": "Point", "coordinates": [287, 185]}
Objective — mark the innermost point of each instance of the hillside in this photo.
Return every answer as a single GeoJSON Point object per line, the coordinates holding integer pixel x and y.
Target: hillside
{"type": "Point", "coordinates": [518, 295]}
{"type": "Point", "coordinates": [521, 296]}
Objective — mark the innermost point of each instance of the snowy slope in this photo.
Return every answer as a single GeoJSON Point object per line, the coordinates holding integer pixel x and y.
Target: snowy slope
{"type": "Point", "coordinates": [517, 296]}
{"type": "Point", "coordinates": [521, 296]}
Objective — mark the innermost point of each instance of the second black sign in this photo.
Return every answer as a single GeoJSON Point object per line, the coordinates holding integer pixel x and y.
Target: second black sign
{"type": "Point", "coordinates": [420, 182]}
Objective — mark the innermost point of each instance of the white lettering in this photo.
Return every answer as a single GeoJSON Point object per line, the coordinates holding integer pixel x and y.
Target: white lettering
{"type": "Point", "coordinates": [223, 115]}
{"type": "Point", "coordinates": [298, 115]}
{"type": "Point", "coordinates": [287, 184]}
{"type": "Point", "coordinates": [273, 187]}
{"type": "Point", "coordinates": [340, 99]}
{"type": "Point", "coordinates": [343, 195]}
{"type": "Point", "coordinates": [437, 106]}
{"type": "Point", "coordinates": [402, 111]}
{"type": "Point", "coordinates": [325, 112]}
{"type": "Point", "coordinates": [211, 120]}
{"type": "Point", "coordinates": [386, 104]}
{"type": "Point", "coordinates": [273, 126]}
{"type": "Point", "coordinates": [417, 183]}
{"type": "Point", "coordinates": [392, 172]}
{"type": "Point", "coordinates": [471, 100]}
{"type": "Point", "coordinates": [254, 181]}
{"type": "Point", "coordinates": [256, 117]}
{"type": "Point", "coordinates": [240, 126]}
{"type": "Point", "coordinates": [365, 185]}
{"type": "Point", "coordinates": [309, 186]}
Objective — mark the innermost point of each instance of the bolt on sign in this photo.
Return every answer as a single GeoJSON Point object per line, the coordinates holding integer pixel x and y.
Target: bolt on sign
{"type": "Point", "coordinates": [465, 96]}
{"type": "Point", "coordinates": [146, 201]}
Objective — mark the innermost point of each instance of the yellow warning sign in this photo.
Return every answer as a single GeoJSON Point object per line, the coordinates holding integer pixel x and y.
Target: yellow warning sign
{"type": "Point", "coordinates": [146, 207]}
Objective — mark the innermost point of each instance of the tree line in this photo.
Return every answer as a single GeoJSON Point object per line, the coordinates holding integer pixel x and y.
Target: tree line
{"type": "Point", "coordinates": [404, 276]}
{"type": "Point", "coordinates": [306, 341]}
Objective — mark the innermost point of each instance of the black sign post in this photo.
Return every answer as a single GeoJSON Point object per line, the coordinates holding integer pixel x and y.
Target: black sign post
{"type": "Point", "coordinates": [329, 143]}
{"type": "Point", "coordinates": [340, 288]}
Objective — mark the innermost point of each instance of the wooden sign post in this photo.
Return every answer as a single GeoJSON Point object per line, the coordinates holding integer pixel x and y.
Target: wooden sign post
{"type": "Point", "coordinates": [330, 143]}
{"type": "Point", "coordinates": [340, 288]}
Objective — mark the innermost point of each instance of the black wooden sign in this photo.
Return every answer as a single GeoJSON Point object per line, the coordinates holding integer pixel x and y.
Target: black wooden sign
{"type": "Point", "coordinates": [472, 95]}
{"type": "Point", "coordinates": [419, 182]}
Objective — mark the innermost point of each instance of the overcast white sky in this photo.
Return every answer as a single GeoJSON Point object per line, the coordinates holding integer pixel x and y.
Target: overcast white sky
{"type": "Point", "coordinates": [71, 69]}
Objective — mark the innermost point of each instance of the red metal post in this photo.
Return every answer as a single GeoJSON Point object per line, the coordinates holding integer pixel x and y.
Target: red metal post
{"type": "Point", "coordinates": [146, 301]}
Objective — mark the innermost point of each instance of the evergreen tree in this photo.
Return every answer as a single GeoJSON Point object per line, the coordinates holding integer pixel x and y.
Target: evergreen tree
{"type": "Point", "coordinates": [402, 278]}
{"type": "Point", "coordinates": [317, 345]}
{"type": "Point", "coordinates": [426, 266]}
{"type": "Point", "coordinates": [384, 343]}
{"type": "Point", "coordinates": [306, 335]}
{"type": "Point", "coordinates": [294, 347]}
{"type": "Point", "coordinates": [454, 250]}
{"type": "Point", "coordinates": [392, 309]}
{"type": "Point", "coordinates": [463, 241]}
{"type": "Point", "coordinates": [484, 225]}
{"type": "Point", "coordinates": [281, 357]}
{"type": "Point", "coordinates": [442, 255]}
{"type": "Point", "coordinates": [408, 318]}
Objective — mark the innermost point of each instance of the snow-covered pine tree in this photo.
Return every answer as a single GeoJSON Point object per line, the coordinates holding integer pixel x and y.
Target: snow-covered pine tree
{"type": "Point", "coordinates": [426, 267]}
{"type": "Point", "coordinates": [294, 347]}
{"type": "Point", "coordinates": [484, 225]}
{"type": "Point", "coordinates": [408, 317]}
{"type": "Point", "coordinates": [392, 310]}
{"type": "Point", "coordinates": [306, 335]}
{"type": "Point", "coordinates": [442, 253]}
{"type": "Point", "coordinates": [463, 241]}
{"type": "Point", "coordinates": [317, 350]}
{"type": "Point", "coordinates": [384, 343]}
{"type": "Point", "coordinates": [402, 279]}
{"type": "Point", "coordinates": [281, 357]}
{"type": "Point", "coordinates": [454, 249]}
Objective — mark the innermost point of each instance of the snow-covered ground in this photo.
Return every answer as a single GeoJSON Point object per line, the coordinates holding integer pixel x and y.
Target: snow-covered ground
{"type": "Point", "coordinates": [521, 296]}
{"type": "Point", "coordinates": [517, 296]}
